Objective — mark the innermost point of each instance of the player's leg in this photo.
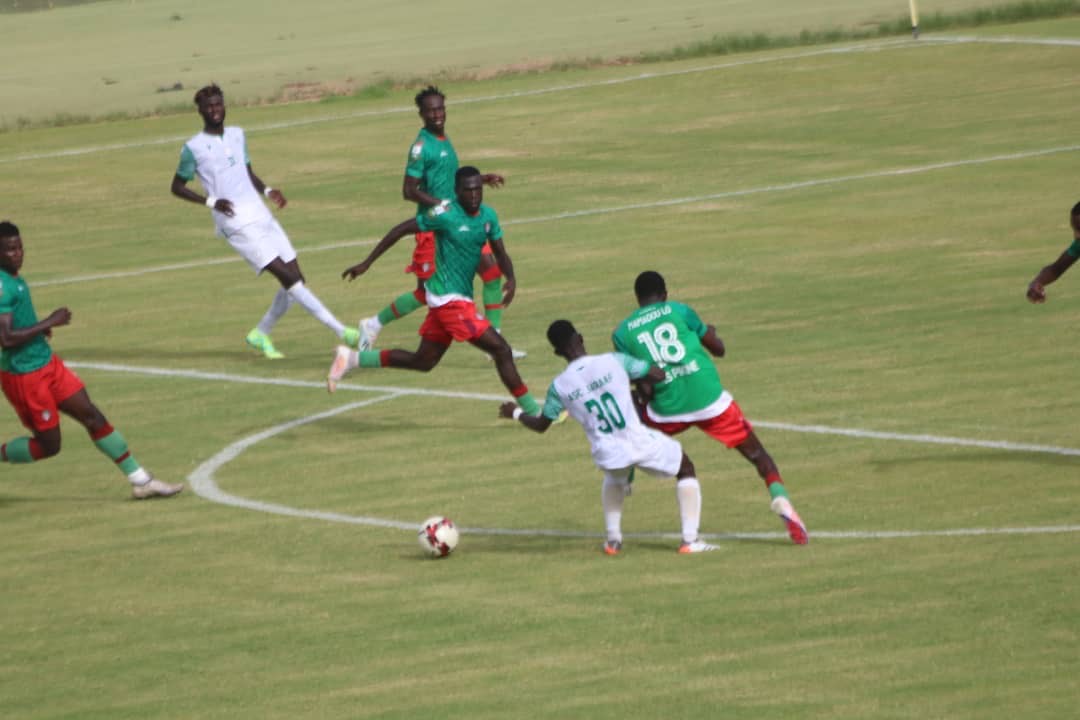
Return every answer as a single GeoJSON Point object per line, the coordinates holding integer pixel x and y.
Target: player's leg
{"type": "Point", "coordinates": [30, 396]}
{"type": "Point", "coordinates": [752, 449]}
{"type": "Point", "coordinates": [112, 444]}
{"type": "Point", "coordinates": [424, 359]}
{"type": "Point", "coordinates": [494, 345]}
{"type": "Point", "coordinates": [291, 278]}
{"type": "Point", "coordinates": [423, 265]}
{"type": "Point", "coordinates": [663, 456]}
{"type": "Point", "coordinates": [259, 337]}
{"type": "Point", "coordinates": [491, 276]}
{"type": "Point", "coordinates": [613, 492]}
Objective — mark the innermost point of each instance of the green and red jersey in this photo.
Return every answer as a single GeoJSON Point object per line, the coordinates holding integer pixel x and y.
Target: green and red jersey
{"type": "Point", "coordinates": [669, 334]}
{"type": "Point", "coordinates": [15, 301]}
{"type": "Point", "coordinates": [459, 238]}
{"type": "Point", "coordinates": [433, 161]}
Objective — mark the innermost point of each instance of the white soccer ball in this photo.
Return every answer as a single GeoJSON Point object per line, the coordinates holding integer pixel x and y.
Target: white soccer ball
{"type": "Point", "coordinates": [438, 536]}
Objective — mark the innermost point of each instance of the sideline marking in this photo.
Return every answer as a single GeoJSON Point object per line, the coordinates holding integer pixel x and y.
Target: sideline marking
{"type": "Point", "coordinates": [785, 187]}
{"type": "Point", "coordinates": [203, 482]}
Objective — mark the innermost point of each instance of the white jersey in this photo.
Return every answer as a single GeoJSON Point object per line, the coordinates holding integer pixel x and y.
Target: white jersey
{"type": "Point", "coordinates": [595, 391]}
{"type": "Point", "coordinates": [221, 163]}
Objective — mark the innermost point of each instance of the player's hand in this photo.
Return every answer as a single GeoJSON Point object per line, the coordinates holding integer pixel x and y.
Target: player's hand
{"type": "Point", "coordinates": [509, 289]}
{"type": "Point", "coordinates": [60, 316]}
{"type": "Point", "coordinates": [224, 207]}
{"type": "Point", "coordinates": [355, 271]}
{"type": "Point", "coordinates": [506, 410]}
{"type": "Point", "coordinates": [493, 180]}
{"type": "Point", "coordinates": [278, 198]}
{"type": "Point", "coordinates": [1036, 293]}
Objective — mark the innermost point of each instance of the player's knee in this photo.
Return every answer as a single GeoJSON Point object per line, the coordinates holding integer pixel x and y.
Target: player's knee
{"type": "Point", "coordinates": [50, 446]}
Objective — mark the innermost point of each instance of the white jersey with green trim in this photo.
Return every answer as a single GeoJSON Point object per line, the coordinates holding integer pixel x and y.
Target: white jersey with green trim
{"type": "Point", "coordinates": [595, 391]}
{"type": "Point", "coordinates": [221, 164]}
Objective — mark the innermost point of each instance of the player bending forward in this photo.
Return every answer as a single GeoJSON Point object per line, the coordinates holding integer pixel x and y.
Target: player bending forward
{"type": "Point", "coordinates": [38, 384]}
{"type": "Point", "coordinates": [595, 389]}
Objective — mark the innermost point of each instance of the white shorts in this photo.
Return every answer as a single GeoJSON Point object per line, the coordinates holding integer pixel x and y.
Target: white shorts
{"type": "Point", "coordinates": [260, 242]}
{"type": "Point", "coordinates": [653, 452]}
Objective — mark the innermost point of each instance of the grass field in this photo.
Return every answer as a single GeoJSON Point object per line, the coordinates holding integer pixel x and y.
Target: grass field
{"type": "Point", "coordinates": [126, 56]}
{"type": "Point", "coordinates": [860, 225]}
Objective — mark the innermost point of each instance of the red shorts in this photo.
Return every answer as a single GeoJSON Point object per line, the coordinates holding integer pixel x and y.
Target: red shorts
{"type": "Point", "coordinates": [423, 257]}
{"type": "Point", "coordinates": [729, 427]}
{"type": "Point", "coordinates": [457, 320]}
{"type": "Point", "coordinates": [36, 395]}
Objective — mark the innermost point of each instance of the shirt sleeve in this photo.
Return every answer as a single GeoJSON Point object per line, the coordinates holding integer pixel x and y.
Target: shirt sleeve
{"type": "Point", "coordinates": [618, 340]}
{"type": "Point", "coordinates": [635, 368]}
{"type": "Point", "coordinates": [243, 144]}
{"type": "Point", "coordinates": [494, 232]}
{"type": "Point", "coordinates": [1074, 249]}
{"type": "Point", "coordinates": [552, 404]}
{"type": "Point", "coordinates": [414, 167]}
{"type": "Point", "coordinates": [692, 320]}
{"type": "Point", "coordinates": [186, 169]}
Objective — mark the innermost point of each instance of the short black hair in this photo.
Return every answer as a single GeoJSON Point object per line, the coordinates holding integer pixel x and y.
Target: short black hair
{"type": "Point", "coordinates": [8, 229]}
{"type": "Point", "coordinates": [560, 333]}
{"type": "Point", "coordinates": [465, 172]}
{"type": "Point", "coordinates": [427, 92]}
{"type": "Point", "coordinates": [1075, 210]}
{"type": "Point", "coordinates": [208, 91]}
{"type": "Point", "coordinates": [649, 284]}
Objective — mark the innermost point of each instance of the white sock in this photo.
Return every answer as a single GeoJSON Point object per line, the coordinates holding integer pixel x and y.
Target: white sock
{"type": "Point", "coordinates": [139, 477]}
{"type": "Point", "coordinates": [354, 360]}
{"type": "Point", "coordinates": [688, 492]}
{"type": "Point", "coordinates": [612, 494]}
{"type": "Point", "coordinates": [375, 323]}
{"type": "Point", "coordinates": [313, 305]}
{"type": "Point", "coordinates": [278, 308]}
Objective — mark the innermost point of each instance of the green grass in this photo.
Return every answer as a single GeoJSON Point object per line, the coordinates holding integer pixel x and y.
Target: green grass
{"type": "Point", "coordinates": [892, 303]}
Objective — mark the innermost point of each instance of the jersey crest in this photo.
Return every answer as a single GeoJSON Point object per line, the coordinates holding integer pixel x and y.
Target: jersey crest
{"type": "Point", "coordinates": [416, 150]}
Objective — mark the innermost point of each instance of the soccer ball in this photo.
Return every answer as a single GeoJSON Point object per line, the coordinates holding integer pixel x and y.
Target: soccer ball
{"type": "Point", "coordinates": [438, 536]}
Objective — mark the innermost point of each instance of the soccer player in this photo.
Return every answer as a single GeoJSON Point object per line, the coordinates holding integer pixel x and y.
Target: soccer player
{"type": "Point", "coordinates": [429, 181]}
{"type": "Point", "coordinates": [595, 390]}
{"type": "Point", "coordinates": [38, 384]}
{"type": "Point", "coordinates": [1036, 291]}
{"type": "Point", "coordinates": [674, 337]}
{"type": "Point", "coordinates": [461, 229]}
{"type": "Point", "coordinates": [218, 156]}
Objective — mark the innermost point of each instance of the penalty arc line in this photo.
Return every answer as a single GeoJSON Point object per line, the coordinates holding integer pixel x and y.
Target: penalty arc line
{"type": "Point", "coordinates": [203, 481]}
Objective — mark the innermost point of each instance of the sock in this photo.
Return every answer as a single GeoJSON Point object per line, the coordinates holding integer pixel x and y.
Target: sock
{"type": "Point", "coordinates": [402, 305]}
{"type": "Point", "coordinates": [775, 486]}
{"type": "Point", "coordinates": [21, 450]}
{"type": "Point", "coordinates": [493, 307]}
{"type": "Point", "coordinates": [526, 400]}
{"type": "Point", "coordinates": [688, 492]}
{"type": "Point", "coordinates": [371, 359]}
{"type": "Point", "coordinates": [278, 307]}
{"type": "Point", "coordinates": [612, 495]}
{"type": "Point", "coordinates": [112, 443]}
{"type": "Point", "coordinates": [313, 305]}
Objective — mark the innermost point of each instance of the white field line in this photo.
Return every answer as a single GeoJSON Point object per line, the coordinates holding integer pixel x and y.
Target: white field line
{"type": "Point", "coordinates": [784, 187]}
{"type": "Point", "coordinates": [92, 149]}
{"type": "Point", "coordinates": [203, 481]}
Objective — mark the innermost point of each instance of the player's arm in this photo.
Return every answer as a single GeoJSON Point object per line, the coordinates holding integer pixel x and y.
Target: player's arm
{"type": "Point", "coordinates": [408, 227]}
{"type": "Point", "coordinates": [712, 342]}
{"type": "Point", "coordinates": [493, 180]}
{"type": "Point", "coordinates": [506, 265]}
{"type": "Point", "coordinates": [537, 423]}
{"type": "Point", "coordinates": [185, 172]}
{"type": "Point", "coordinates": [274, 194]}
{"type": "Point", "coordinates": [11, 337]}
{"type": "Point", "coordinates": [410, 190]}
{"type": "Point", "coordinates": [1036, 291]}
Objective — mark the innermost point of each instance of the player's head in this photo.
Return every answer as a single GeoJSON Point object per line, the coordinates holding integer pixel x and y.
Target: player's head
{"type": "Point", "coordinates": [432, 105]}
{"type": "Point", "coordinates": [469, 188]}
{"type": "Point", "coordinates": [566, 340]}
{"type": "Point", "coordinates": [650, 288]}
{"type": "Point", "coordinates": [210, 101]}
{"type": "Point", "coordinates": [11, 247]}
{"type": "Point", "coordinates": [1074, 217]}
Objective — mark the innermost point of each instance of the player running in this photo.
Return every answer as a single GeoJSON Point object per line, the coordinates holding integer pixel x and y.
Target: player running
{"type": "Point", "coordinates": [218, 156]}
{"type": "Point", "coordinates": [461, 229]}
{"type": "Point", "coordinates": [674, 337]}
{"type": "Point", "coordinates": [429, 181]}
{"type": "Point", "coordinates": [595, 389]}
{"type": "Point", "coordinates": [38, 384]}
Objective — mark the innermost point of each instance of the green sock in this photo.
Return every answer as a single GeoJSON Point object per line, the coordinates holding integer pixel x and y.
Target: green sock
{"type": "Point", "coordinates": [370, 358]}
{"type": "Point", "coordinates": [775, 487]}
{"type": "Point", "coordinates": [18, 451]}
{"type": "Point", "coordinates": [115, 446]}
{"type": "Point", "coordinates": [528, 404]}
{"type": "Point", "coordinates": [401, 306]}
{"type": "Point", "coordinates": [493, 308]}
